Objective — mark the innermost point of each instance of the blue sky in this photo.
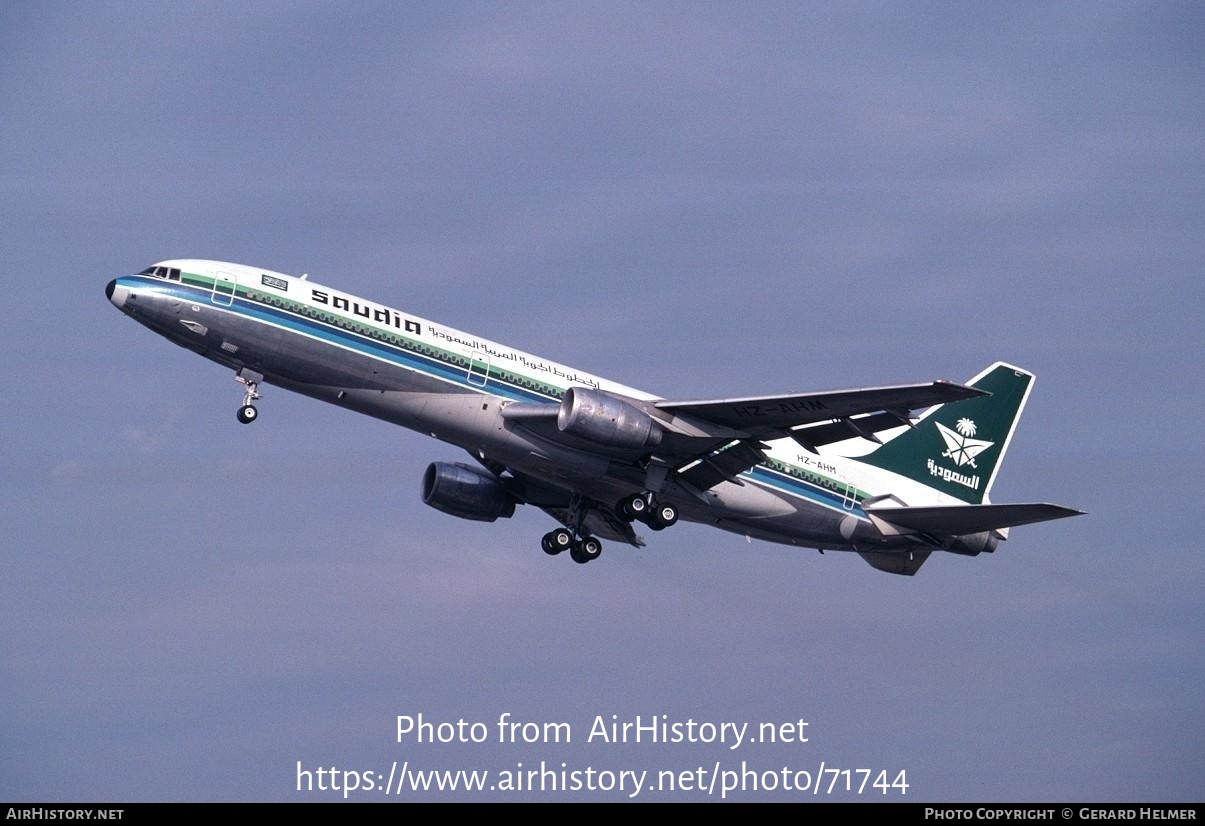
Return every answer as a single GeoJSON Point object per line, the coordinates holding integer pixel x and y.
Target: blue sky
{"type": "Point", "coordinates": [694, 199]}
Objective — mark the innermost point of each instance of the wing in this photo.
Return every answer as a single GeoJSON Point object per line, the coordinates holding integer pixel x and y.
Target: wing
{"type": "Point", "coordinates": [710, 441]}
{"type": "Point", "coordinates": [765, 415]}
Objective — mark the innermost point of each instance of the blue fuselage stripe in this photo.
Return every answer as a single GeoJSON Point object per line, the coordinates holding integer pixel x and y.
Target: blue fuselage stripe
{"type": "Point", "coordinates": [805, 490]}
{"type": "Point", "coordinates": [345, 338]}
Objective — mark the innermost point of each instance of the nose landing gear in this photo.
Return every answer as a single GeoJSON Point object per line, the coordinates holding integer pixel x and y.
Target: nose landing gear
{"type": "Point", "coordinates": [248, 413]}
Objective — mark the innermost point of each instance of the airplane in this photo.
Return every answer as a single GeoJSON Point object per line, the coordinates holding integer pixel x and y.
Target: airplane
{"type": "Point", "coordinates": [599, 457]}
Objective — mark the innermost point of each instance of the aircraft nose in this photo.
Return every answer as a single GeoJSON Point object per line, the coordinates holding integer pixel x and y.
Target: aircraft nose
{"type": "Point", "coordinates": [116, 294]}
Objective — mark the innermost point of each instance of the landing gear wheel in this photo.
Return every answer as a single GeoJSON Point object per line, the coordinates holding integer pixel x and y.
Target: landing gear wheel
{"type": "Point", "coordinates": [662, 516]}
{"type": "Point", "coordinates": [585, 550]}
{"type": "Point", "coordinates": [556, 541]}
{"type": "Point", "coordinates": [633, 507]}
{"type": "Point", "coordinates": [250, 380]}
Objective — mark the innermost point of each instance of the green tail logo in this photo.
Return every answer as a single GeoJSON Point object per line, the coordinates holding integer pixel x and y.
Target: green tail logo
{"type": "Point", "coordinates": [957, 448]}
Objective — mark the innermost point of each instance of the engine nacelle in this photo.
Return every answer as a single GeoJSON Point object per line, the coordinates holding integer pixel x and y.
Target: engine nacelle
{"type": "Point", "coordinates": [602, 418]}
{"type": "Point", "coordinates": [973, 544]}
{"type": "Point", "coordinates": [465, 491]}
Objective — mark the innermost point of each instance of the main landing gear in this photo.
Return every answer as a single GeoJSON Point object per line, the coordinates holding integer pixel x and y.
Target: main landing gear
{"type": "Point", "coordinates": [582, 547]}
{"type": "Point", "coordinates": [248, 412]}
{"type": "Point", "coordinates": [581, 550]}
{"type": "Point", "coordinates": [644, 507]}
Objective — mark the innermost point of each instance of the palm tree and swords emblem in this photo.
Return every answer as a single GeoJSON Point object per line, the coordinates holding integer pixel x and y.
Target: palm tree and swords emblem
{"type": "Point", "coordinates": [959, 445]}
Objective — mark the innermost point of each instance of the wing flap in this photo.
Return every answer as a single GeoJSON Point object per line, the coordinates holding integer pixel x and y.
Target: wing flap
{"type": "Point", "coordinates": [723, 464]}
{"type": "Point", "coordinates": [814, 435]}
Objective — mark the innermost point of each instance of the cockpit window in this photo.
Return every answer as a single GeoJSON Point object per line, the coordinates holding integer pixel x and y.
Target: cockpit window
{"type": "Point", "coordinates": [162, 272]}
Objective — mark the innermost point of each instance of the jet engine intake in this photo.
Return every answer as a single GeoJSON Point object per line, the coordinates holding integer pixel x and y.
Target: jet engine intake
{"type": "Point", "coordinates": [600, 417]}
{"type": "Point", "coordinates": [465, 491]}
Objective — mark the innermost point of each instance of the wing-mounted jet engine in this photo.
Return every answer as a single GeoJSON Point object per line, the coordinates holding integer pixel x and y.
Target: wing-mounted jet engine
{"type": "Point", "coordinates": [465, 491]}
{"type": "Point", "coordinates": [606, 420]}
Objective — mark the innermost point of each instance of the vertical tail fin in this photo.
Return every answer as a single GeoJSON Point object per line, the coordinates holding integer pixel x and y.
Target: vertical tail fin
{"type": "Point", "coordinates": [957, 448]}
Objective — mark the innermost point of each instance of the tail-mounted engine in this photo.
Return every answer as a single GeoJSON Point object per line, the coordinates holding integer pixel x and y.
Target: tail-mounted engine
{"type": "Point", "coordinates": [607, 420]}
{"type": "Point", "coordinates": [465, 491]}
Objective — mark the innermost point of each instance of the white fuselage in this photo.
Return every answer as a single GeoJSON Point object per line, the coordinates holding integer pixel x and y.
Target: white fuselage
{"type": "Point", "coordinates": [453, 385]}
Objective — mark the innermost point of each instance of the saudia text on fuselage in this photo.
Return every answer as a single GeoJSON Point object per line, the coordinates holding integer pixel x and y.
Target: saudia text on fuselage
{"type": "Point", "coordinates": [372, 312]}
{"type": "Point", "coordinates": [948, 475]}
{"type": "Point", "coordinates": [390, 317]}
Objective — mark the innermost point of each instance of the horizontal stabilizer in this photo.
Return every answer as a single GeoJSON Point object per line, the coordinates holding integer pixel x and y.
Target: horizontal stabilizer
{"type": "Point", "coordinates": [954, 520]}
{"type": "Point", "coordinates": [814, 435]}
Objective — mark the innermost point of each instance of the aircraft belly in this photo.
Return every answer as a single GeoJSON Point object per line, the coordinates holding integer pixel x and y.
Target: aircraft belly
{"type": "Point", "coordinates": [809, 527]}
{"type": "Point", "coordinates": [738, 501]}
{"type": "Point", "coordinates": [792, 520]}
{"type": "Point", "coordinates": [474, 421]}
